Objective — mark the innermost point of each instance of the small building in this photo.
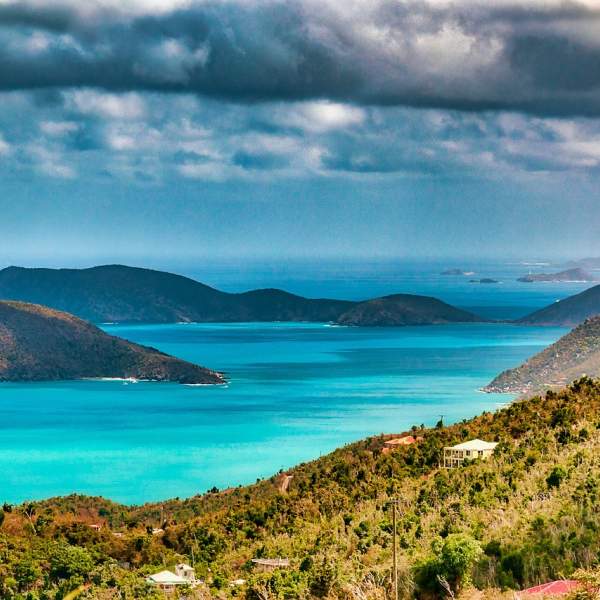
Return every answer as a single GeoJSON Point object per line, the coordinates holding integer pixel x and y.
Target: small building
{"type": "Point", "coordinates": [167, 580]}
{"type": "Point", "coordinates": [96, 526]}
{"type": "Point", "coordinates": [406, 440]}
{"type": "Point", "coordinates": [157, 531]}
{"type": "Point", "coordinates": [454, 456]}
{"type": "Point", "coordinates": [184, 570]}
{"type": "Point", "coordinates": [552, 588]}
{"type": "Point", "coordinates": [270, 564]}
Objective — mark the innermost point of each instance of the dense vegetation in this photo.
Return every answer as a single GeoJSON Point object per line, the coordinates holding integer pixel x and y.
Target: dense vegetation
{"type": "Point", "coordinates": [38, 343]}
{"type": "Point", "coordinates": [405, 309]}
{"type": "Point", "coordinates": [572, 356]}
{"type": "Point", "coordinates": [117, 293]}
{"type": "Point", "coordinates": [527, 515]}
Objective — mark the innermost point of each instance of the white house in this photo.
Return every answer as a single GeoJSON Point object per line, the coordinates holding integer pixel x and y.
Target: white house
{"type": "Point", "coordinates": [168, 581]}
{"type": "Point", "coordinates": [454, 456]}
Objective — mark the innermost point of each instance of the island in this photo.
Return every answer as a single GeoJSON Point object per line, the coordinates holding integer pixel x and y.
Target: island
{"type": "Point", "coordinates": [572, 356]}
{"type": "Point", "coordinates": [457, 272]}
{"type": "Point", "coordinates": [568, 312]}
{"type": "Point", "coordinates": [38, 343]}
{"type": "Point", "coordinates": [123, 294]}
{"type": "Point", "coordinates": [570, 275]}
{"type": "Point", "coordinates": [484, 280]}
{"type": "Point", "coordinates": [405, 309]}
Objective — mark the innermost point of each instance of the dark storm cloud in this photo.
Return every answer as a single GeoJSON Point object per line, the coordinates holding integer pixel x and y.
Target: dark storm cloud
{"type": "Point", "coordinates": [534, 57]}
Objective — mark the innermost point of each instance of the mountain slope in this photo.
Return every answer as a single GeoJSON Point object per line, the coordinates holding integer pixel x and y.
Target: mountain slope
{"type": "Point", "coordinates": [531, 509]}
{"type": "Point", "coordinates": [39, 343]}
{"type": "Point", "coordinates": [576, 274]}
{"type": "Point", "coordinates": [568, 312]}
{"type": "Point", "coordinates": [404, 309]}
{"type": "Point", "coordinates": [573, 355]}
{"type": "Point", "coordinates": [116, 293]}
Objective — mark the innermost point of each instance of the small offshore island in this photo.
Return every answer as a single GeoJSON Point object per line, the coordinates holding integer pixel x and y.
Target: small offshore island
{"type": "Point", "coordinates": [41, 344]}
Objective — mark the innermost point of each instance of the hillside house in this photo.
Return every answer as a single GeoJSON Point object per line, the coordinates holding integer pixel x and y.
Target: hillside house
{"type": "Point", "coordinates": [560, 587]}
{"type": "Point", "coordinates": [454, 456]}
{"type": "Point", "coordinates": [270, 564]}
{"type": "Point", "coordinates": [168, 581]}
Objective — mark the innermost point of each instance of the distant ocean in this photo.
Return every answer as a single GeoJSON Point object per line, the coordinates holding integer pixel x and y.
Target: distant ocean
{"type": "Point", "coordinates": [296, 390]}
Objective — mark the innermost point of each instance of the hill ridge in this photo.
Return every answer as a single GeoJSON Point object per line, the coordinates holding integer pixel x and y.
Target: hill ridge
{"type": "Point", "coordinates": [38, 343]}
{"type": "Point", "coordinates": [119, 293]}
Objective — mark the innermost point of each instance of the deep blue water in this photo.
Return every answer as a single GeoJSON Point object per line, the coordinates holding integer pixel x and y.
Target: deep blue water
{"type": "Point", "coordinates": [296, 391]}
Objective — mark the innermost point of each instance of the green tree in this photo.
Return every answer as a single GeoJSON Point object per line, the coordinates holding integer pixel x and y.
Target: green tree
{"type": "Point", "coordinates": [452, 562]}
{"type": "Point", "coordinates": [556, 477]}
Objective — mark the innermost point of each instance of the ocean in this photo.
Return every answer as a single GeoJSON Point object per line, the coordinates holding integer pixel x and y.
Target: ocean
{"type": "Point", "coordinates": [295, 391]}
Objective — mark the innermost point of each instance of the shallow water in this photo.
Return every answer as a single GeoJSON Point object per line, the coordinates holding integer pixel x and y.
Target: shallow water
{"type": "Point", "coordinates": [295, 391]}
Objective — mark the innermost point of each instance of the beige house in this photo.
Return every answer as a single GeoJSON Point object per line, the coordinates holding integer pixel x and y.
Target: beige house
{"type": "Point", "coordinates": [168, 581]}
{"type": "Point", "coordinates": [454, 456]}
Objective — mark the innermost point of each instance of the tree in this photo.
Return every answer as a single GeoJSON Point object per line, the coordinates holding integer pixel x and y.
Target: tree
{"type": "Point", "coordinates": [556, 477]}
{"type": "Point", "coordinates": [452, 562]}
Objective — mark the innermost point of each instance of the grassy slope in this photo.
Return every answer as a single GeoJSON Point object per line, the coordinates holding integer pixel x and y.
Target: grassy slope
{"type": "Point", "coordinates": [573, 355]}
{"type": "Point", "coordinates": [568, 312]}
{"type": "Point", "coordinates": [333, 523]}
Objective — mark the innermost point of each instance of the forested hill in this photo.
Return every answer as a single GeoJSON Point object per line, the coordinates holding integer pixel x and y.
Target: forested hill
{"type": "Point", "coordinates": [405, 309]}
{"type": "Point", "coordinates": [117, 293]}
{"type": "Point", "coordinates": [573, 355]}
{"type": "Point", "coordinates": [39, 344]}
{"type": "Point", "coordinates": [525, 516]}
{"type": "Point", "coordinates": [568, 312]}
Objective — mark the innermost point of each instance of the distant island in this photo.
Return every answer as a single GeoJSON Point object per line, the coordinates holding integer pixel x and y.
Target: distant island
{"type": "Point", "coordinates": [585, 263]}
{"type": "Point", "coordinates": [572, 356]}
{"type": "Point", "coordinates": [42, 344]}
{"type": "Point", "coordinates": [484, 280]}
{"type": "Point", "coordinates": [568, 312]}
{"type": "Point", "coordinates": [457, 272]}
{"type": "Point", "coordinates": [122, 294]}
{"type": "Point", "coordinates": [570, 275]}
{"type": "Point", "coordinates": [405, 309]}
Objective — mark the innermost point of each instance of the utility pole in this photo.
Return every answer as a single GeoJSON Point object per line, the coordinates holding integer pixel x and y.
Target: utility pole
{"type": "Point", "coordinates": [394, 504]}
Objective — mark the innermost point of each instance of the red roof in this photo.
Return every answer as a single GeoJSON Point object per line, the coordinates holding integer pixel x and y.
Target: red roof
{"type": "Point", "coordinates": [552, 588]}
{"type": "Point", "coordinates": [402, 441]}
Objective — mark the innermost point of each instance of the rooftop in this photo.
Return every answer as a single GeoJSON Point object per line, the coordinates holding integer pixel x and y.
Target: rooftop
{"type": "Point", "coordinates": [475, 445]}
{"type": "Point", "coordinates": [167, 578]}
{"type": "Point", "coordinates": [401, 441]}
{"type": "Point", "coordinates": [552, 588]}
{"type": "Point", "coordinates": [272, 562]}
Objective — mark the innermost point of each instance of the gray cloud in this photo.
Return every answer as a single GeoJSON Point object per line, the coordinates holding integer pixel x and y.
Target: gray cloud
{"type": "Point", "coordinates": [541, 58]}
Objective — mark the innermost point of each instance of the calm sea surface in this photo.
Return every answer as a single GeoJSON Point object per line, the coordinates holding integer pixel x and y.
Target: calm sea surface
{"type": "Point", "coordinates": [296, 390]}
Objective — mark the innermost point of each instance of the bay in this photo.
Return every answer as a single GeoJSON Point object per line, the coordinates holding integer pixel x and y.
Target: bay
{"type": "Point", "coordinates": [295, 391]}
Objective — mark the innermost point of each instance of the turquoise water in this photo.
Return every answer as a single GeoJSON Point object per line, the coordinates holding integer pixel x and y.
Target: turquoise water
{"type": "Point", "coordinates": [296, 391]}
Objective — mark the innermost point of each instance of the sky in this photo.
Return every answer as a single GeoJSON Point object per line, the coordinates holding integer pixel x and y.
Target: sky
{"type": "Point", "coordinates": [139, 131]}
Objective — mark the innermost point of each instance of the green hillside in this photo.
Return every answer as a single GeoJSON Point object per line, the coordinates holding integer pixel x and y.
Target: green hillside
{"type": "Point", "coordinates": [527, 515]}
{"type": "Point", "coordinates": [575, 354]}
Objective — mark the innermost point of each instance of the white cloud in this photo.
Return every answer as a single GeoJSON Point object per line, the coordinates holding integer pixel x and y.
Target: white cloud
{"type": "Point", "coordinates": [128, 106]}
{"type": "Point", "coordinates": [50, 162]}
{"type": "Point", "coordinates": [58, 128]}
{"type": "Point", "coordinates": [320, 116]}
{"type": "Point", "coordinates": [4, 146]}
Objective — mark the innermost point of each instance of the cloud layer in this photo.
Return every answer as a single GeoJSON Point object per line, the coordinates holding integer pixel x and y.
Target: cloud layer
{"type": "Point", "coordinates": [538, 57]}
